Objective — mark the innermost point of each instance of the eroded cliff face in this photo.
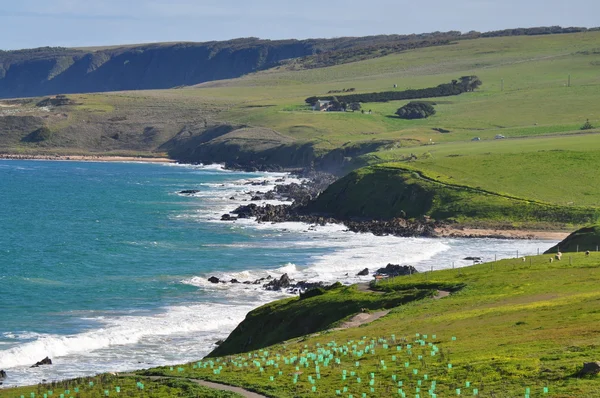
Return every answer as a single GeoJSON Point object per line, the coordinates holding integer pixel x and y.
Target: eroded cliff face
{"type": "Point", "coordinates": [46, 71]}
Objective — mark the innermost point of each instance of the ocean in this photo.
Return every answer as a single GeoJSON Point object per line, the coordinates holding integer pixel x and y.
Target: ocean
{"type": "Point", "coordinates": [104, 266]}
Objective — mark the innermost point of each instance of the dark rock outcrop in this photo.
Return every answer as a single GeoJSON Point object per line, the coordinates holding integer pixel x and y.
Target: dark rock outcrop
{"type": "Point", "coordinates": [590, 368]}
{"type": "Point", "coordinates": [279, 284]}
{"type": "Point", "coordinates": [189, 192]}
{"type": "Point", "coordinates": [228, 217]}
{"type": "Point", "coordinates": [213, 279]}
{"type": "Point", "coordinates": [2, 374]}
{"type": "Point", "coordinates": [364, 272]}
{"type": "Point", "coordinates": [45, 361]}
{"type": "Point", "coordinates": [392, 270]}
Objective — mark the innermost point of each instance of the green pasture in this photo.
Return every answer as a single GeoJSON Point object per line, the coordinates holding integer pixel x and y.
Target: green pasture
{"type": "Point", "coordinates": [111, 386]}
{"type": "Point", "coordinates": [554, 169]}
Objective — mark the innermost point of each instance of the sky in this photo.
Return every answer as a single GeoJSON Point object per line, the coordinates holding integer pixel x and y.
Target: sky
{"type": "Point", "coordinates": [81, 23]}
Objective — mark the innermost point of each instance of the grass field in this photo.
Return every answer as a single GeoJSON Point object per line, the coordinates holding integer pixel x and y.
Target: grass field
{"type": "Point", "coordinates": [111, 386]}
{"type": "Point", "coordinates": [516, 326]}
{"type": "Point", "coordinates": [535, 99]}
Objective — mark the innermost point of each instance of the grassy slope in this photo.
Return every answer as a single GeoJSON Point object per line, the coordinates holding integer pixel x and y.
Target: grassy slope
{"type": "Point", "coordinates": [398, 190]}
{"type": "Point", "coordinates": [285, 319]}
{"type": "Point", "coordinates": [127, 385]}
{"type": "Point", "coordinates": [535, 70]}
{"type": "Point", "coordinates": [518, 324]}
{"type": "Point", "coordinates": [584, 239]}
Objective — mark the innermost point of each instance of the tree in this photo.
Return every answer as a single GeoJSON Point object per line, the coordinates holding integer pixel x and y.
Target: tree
{"type": "Point", "coordinates": [470, 83]}
{"type": "Point", "coordinates": [416, 110]}
{"type": "Point", "coordinates": [311, 101]}
{"type": "Point", "coordinates": [354, 106]}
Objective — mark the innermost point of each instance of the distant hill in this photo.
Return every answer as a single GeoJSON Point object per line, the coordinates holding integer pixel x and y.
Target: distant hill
{"type": "Point", "coordinates": [53, 70]}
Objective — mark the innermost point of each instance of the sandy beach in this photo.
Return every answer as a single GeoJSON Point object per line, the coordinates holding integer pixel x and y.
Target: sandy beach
{"type": "Point", "coordinates": [87, 158]}
{"type": "Point", "coordinates": [500, 233]}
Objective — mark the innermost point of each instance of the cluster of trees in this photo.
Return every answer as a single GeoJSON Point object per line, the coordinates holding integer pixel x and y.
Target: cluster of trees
{"type": "Point", "coordinates": [456, 87]}
{"type": "Point", "coordinates": [416, 110]}
{"type": "Point", "coordinates": [342, 50]}
{"type": "Point", "coordinates": [540, 30]}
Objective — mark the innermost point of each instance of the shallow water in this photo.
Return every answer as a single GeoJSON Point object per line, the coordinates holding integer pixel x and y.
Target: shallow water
{"type": "Point", "coordinates": [104, 266]}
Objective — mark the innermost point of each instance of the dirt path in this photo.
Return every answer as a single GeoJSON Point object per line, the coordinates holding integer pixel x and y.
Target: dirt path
{"type": "Point", "coordinates": [362, 319]}
{"type": "Point", "coordinates": [209, 384]}
{"type": "Point", "coordinates": [366, 288]}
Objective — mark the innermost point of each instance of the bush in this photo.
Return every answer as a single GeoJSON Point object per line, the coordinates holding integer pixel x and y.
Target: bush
{"type": "Point", "coordinates": [39, 135]}
{"type": "Point", "coordinates": [416, 110]}
{"type": "Point", "coordinates": [587, 125]}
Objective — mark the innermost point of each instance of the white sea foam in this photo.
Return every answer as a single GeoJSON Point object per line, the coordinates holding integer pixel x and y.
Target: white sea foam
{"type": "Point", "coordinates": [122, 342]}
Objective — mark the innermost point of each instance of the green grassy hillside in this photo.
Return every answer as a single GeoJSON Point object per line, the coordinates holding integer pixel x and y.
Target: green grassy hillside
{"type": "Point", "coordinates": [299, 316]}
{"type": "Point", "coordinates": [400, 190]}
{"type": "Point", "coordinates": [584, 239]}
{"type": "Point", "coordinates": [517, 328]}
{"type": "Point", "coordinates": [108, 385]}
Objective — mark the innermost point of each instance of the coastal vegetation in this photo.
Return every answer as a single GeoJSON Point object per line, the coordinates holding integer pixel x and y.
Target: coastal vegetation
{"type": "Point", "coordinates": [534, 342]}
{"type": "Point", "coordinates": [107, 385]}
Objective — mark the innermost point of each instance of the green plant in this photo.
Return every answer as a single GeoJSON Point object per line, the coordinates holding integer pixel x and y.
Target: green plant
{"type": "Point", "coordinates": [587, 125]}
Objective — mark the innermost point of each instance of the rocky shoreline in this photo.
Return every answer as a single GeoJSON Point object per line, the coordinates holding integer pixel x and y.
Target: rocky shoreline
{"type": "Point", "coordinates": [291, 286]}
{"type": "Point", "coordinates": [302, 194]}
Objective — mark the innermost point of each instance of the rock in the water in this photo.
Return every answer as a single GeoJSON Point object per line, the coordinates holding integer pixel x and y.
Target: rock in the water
{"type": "Point", "coordinates": [476, 259]}
{"type": "Point", "coordinates": [2, 375]}
{"type": "Point", "coordinates": [256, 197]}
{"type": "Point", "coordinates": [228, 217]}
{"type": "Point", "coordinates": [219, 342]}
{"type": "Point", "coordinates": [364, 272]}
{"type": "Point", "coordinates": [189, 191]}
{"type": "Point", "coordinates": [213, 279]}
{"type": "Point", "coordinates": [278, 284]}
{"type": "Point", "coordinates": [590, 368]}
{"type": "Point", "coordinates": [397, 270]}
{"type": "Point", "coordinates": [45, 361]}
{"type": "Point", "coordinates": [234, 281]}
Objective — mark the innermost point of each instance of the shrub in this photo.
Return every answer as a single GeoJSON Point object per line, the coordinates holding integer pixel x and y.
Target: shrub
{"type": "Point", "coordinates": [416, 110]}
{"type": "Point", "coordinates": [587, 125]}
{"type": "Point", "coordinates": [39, 135]}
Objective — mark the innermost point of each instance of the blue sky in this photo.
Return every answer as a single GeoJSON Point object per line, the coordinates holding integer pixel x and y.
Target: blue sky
{"type": "Point", "coordinates": [35, 23]}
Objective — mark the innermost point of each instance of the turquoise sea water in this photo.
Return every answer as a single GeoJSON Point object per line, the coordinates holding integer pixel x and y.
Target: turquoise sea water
{"type": "Point", "coordinates": [103, 266]}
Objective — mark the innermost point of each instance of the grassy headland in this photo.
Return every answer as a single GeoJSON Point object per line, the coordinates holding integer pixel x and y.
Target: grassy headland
{"type": "Point", "coordinates": [515, 326]}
